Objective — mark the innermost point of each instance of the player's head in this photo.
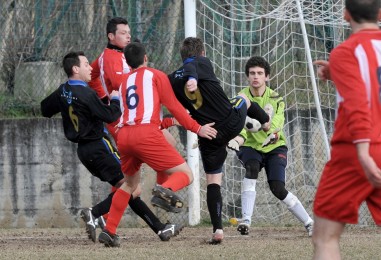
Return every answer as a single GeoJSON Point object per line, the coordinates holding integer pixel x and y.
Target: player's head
{"type": "Point", "coordinates": [135, 53]}
{"type": "Point", "coordinates": [118, 32]}
{"type": "Point", "coordinates": [76, 66]}
{"type": "Point", "coordinates": [257, 71]}
{"type": "Point", "coordinates": [191, 47]}
{"type": "Point", "coordinates": [362, 11]}
{"type": "Point", "coordinates": [257, 61]}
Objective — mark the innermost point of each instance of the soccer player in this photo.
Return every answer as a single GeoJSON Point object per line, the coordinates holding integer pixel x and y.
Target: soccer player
{"type": "Point", "coordinates": [198, 90]}
{"type": "Point", "coordinates": [143, 92]}
{"type": "Point", "coordinates": [353, 173]}
{"type": "Point", "coordinates": [265, 148]}
{"type": "Point", "coordinates": [83, 115]}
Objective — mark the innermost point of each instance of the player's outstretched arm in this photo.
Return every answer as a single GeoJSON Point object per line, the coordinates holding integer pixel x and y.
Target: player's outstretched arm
{"type": "Point", "coordinates": [207, 131]}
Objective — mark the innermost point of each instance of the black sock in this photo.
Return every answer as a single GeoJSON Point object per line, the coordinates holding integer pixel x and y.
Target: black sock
{"type": "Point", "coordinates": [256, 112]}
{"type": "Point", "coordinates": [142, 210]}
{"type": "Point", "coordinates": [102, 207]}
{"type": "Point", "coordinates": [214, 201]}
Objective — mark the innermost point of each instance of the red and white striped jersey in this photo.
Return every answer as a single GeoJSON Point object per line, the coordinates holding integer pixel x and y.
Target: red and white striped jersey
{"type": "Point", "coordinates": [107, 72]}
{"type": "Point", "coordinates": [142, 93]}
{"type": "Point", "coordinates": [355, 67]}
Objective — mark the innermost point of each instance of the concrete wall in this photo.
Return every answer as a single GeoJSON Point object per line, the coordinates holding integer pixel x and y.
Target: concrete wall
{"type": "Point", "coordinates": [42, 182]}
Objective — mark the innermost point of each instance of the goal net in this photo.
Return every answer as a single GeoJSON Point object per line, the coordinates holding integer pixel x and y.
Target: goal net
{"type": "Point", "coordinates": [289, 34]}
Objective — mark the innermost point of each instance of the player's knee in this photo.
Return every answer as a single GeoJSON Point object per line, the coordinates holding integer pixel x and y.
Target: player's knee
{"type": "Point", "coordinates": [252, 169]}
{"type": "Point", "coordinates": [138, 191]}
{"type": "Point", "coordinates": [278, 189]}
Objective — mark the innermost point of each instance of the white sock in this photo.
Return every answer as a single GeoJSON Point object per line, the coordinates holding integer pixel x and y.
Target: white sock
{"type": "Point", "coordinates": [297, 209]}
{"type": "Point", "coordinates": [248, 198]}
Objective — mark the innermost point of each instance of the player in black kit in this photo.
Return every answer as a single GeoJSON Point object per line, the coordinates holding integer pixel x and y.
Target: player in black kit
{"type": "Point", "coordinates": [83, 115]}
{"type": "Point", "coordinates": [198, 90]}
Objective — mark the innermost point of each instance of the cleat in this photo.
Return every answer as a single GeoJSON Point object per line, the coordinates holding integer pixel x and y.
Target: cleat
{"type": "Point", "coordinates": [217, 237]}
{"type": "Point", "coordinates": [169, 197]}
{"type": "Point", "coordinates": [161, 203]}
{"type": "Point", "coordinates": [243, 227]}
{"type": "Point", "coordinates": [101, 222]}
{"type": "Point", "coordinates": [310, 228]}
{"type": "Point", "coordinates": [89, 220]}
{"type": "Point", "coordinates": [108, 239]}
{"type": "Point", "coordinates": [170, 230]}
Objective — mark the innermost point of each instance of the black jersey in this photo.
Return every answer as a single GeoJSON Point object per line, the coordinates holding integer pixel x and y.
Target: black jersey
{"type": "Point", "coordinates": [83, 113]}
{"type": "Point", "coordinates": [209, 102]}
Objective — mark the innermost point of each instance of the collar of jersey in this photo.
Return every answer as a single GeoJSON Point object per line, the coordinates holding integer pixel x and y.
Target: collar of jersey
{"type": "Point", "coordinates": [76, 82]}
{"type": "Point", "coordinates": [114, 47]}
{"type": "Point", "coordinates": [190, 59]}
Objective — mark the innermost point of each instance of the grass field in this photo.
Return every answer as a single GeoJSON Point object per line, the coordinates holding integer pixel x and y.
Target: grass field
{"type": "Point", "coordinates": [141, 243]}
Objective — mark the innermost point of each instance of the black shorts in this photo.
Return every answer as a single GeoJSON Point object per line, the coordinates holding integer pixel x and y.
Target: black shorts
{"type": "Point", "coordinates": [213, 152]}
{"type": "Point", "coordinates": [275, 161]}
{"type": "Point", "coordinates": [101, 158]}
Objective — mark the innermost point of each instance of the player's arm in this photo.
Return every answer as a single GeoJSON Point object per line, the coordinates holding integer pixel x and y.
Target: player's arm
{"type": "Point", "coordinates": [372, 171]}
{"type": "Point", "coordinates": [106, 113]}
{"type": "Point", "coordinates": [95, 82]}
{"type": "Point", "coordinates": [169, 100]}
{"type": "Point", "coordinates": [277, 119]}
{"type": "Point", "coordinates": [50, 105]}
{"type": "Point", "coordinates": [168, 122]}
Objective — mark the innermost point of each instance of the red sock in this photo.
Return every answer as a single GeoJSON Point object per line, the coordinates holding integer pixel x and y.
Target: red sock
{"type": "Point", "coordinates": [105, 216]}
{"type": "Point", "coordinates": [161, 177]}
{"type": "Point", "coordinates": [176, 181]}
{"type": "Point", "coordinates": [113, 188]}
{"type": "Point", "coordinates": [118, 206]}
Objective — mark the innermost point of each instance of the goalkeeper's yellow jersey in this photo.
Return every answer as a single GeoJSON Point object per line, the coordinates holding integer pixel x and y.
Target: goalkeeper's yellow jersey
{"type": "Point", "coordinates": [255, 140]}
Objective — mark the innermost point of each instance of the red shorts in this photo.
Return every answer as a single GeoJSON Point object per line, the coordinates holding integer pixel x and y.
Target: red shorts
{"type": "Point", "coordinates": [146, 144]}
{"type": "Point", "coordinates": [343, 187]}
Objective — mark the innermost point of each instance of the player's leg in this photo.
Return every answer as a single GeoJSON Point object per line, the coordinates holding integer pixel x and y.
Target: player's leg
{"type": "Point", "coordinates": [213, 156]}
{"type": "Point", "coordinates": [254, 111]}
{"type": "Point", "coordinates": [326, 238]}
{"type": "Point", "coordinates": [99, 159]}
{"type": "Point", "coordinates": [214, 203]}
{"type": "Point", "coordinates": [119, 204]}
{"type": "Point", "coordinates": [275, 165]}
{"type": "Point", "coordinates": [251, 159]}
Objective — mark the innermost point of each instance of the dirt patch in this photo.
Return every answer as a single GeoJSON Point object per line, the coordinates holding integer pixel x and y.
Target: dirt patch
{"type": "Point", "coordinates": [142, 243]}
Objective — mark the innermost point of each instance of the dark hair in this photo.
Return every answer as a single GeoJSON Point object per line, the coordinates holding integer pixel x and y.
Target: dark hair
{"type": "Point", "coordinates": [71, 59]}
{"type": "Point", "coordinates": [363, 10]}
{"type": "Point", "coordinates": [257, 61]}
{"type": "Point", "coordinates": [134, 54]}
{"type": "Point", "coordinates": [113, 23]}
{"type": "Point", "coordinates": [191, 46]}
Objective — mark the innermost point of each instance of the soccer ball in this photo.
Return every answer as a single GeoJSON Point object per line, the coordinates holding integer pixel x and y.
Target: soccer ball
{"type": "Point", "coordinates": [252, 125]}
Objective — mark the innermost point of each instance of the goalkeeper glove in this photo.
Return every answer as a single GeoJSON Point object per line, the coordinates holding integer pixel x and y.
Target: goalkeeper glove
{"type": "Point", "coordinates": [233, 145]}
{"type": "Point", "coordinates": [271, 138]}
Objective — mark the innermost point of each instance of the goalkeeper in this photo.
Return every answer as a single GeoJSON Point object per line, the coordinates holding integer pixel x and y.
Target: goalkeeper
{"type": "Point", "coordinates": [265, 148]}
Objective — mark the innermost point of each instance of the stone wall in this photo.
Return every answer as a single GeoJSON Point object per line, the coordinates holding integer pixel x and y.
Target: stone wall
{"type": "Point", "coordinates": [42, 182]}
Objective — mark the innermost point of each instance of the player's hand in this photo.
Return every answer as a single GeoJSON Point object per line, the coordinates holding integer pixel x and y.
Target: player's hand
{"type": "Point", "coordinates": [323, 69]}
{"type": "Point", "coordinates": [372, 171]}
{"type": "Point", "coordinates": [114, 93]}
{"type": "Point", "coordinates": [271, 138]}
{"type": "Point", "coordinates": [191, 85]}
{"type": "Point", "coordinates": [207, 131]}
{"type": "Point", "coordinates": [233, 145]}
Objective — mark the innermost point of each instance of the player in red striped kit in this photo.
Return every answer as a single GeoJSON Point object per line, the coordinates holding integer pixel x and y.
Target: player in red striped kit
{"type": "Point", "coordinates": [140, 140]}
{"type": "Point", "coordinates": [353, 173]}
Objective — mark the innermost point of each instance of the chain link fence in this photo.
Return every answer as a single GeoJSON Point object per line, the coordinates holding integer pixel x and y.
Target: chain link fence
{"type": "Point", "coordinates": [35, 35]}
